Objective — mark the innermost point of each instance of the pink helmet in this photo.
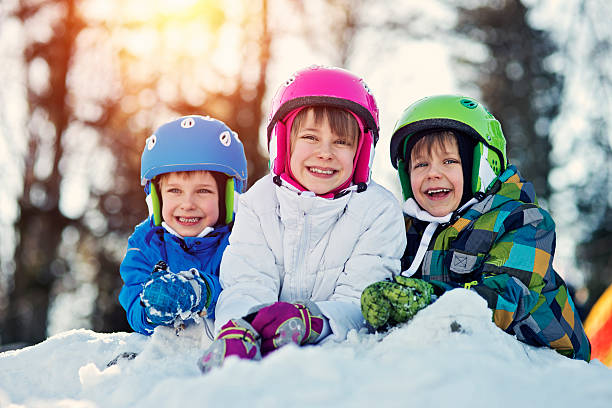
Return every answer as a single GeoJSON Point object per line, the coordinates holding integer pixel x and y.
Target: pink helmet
{"type": "Point", "coordinates": [323, 86]}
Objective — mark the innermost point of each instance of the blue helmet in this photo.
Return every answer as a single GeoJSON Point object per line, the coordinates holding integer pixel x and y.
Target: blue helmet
{"type": "Point", "coordinates": [194, 143]}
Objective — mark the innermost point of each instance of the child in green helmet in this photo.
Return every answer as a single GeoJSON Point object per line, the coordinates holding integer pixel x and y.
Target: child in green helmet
{"type": "Point", "coordinates": [472, 222]}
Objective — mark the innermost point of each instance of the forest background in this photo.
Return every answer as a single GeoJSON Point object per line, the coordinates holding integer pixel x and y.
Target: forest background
{"type": "Point", "coordinates": [86, 81]}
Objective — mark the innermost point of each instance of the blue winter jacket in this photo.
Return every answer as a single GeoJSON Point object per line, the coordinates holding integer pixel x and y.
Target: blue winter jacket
{"type": "Point", "coordinates": [150, 244]}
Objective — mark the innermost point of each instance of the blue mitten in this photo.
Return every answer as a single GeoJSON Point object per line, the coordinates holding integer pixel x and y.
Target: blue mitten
{"type": "Point", "coordinates": [168, 295]}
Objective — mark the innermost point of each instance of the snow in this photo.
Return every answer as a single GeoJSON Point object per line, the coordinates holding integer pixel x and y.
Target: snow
{"type": "Point", "coordinates": [450, 354]}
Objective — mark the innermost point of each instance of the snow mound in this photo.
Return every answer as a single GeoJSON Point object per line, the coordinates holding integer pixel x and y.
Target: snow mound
{"type": "Point", "coordinates": [450, 354]}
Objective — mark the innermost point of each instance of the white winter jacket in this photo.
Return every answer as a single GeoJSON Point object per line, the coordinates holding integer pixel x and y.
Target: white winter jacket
{"type": "Point", "coordinates": [287, 246]}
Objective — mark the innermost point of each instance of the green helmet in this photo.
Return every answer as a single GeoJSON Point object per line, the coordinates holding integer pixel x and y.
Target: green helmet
{"type": "Point", "coordinates": [463, 115]}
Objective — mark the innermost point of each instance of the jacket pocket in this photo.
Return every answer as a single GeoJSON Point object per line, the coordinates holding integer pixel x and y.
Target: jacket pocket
{"type": "Point", "coordinates": [464, 266]}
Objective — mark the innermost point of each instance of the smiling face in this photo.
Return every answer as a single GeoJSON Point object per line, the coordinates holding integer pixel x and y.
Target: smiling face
{"type": "Point", "coordinates": [321, 159]}
{"type": "Point", "coordinates": [190, 201]}
{"type": "Point", "coordinates": [436, 175]}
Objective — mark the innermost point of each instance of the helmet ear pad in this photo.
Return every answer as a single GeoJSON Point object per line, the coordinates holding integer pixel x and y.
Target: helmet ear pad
{"type": "Point", "coordinates": [280, 148]}
{"type": "Point", "coordinates": [487, 166]}
{"type": "Point", "coordinates": [229, 200]}
{"type": "Point", "coordinates": [467, 148]}
{"type": "Point", "coordinates": [221, 180]}
{"type": "Point", "coordinates": [404, 176]}
{"type": "Point", "coordinates": [155, 202]}
{"type": "Point", "coordinates": [403, 162]}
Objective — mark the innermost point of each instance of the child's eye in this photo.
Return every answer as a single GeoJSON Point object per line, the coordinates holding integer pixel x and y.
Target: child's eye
{"type": "Point", "coordinates": [419, 165]}
{"type": "Point", "coordinates": [205, 191]}
{"type": "Point", "coordinates": [308, 136]}
{"type": "Point", "coordinates": [173, 190]}
{"type": "Point", "coordinates": [451, 161]}
{"type": "Point", "coordinates": [343, 142]}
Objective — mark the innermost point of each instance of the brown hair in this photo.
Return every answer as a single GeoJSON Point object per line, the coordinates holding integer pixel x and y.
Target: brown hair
{"type": "Point", "coordinates": [427, 141]}
{"type": "Point", "coordinates": [341, 122]}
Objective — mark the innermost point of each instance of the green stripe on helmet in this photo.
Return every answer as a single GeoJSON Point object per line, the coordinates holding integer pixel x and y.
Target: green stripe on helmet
{"type": "Point", "coordinates": [229, 200]}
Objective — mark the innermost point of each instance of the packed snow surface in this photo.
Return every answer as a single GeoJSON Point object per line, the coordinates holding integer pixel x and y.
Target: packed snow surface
{"type": "Point", "coordinates": [449, 355]}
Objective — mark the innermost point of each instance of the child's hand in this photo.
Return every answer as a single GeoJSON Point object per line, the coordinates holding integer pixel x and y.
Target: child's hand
{"type": "Point", "coordinates": [236, 338]}
{"type": "Point", "coordinates": [281, 323]}
{"type": "Point", "coordinates": [170, 295]}
{"type": "Point", "coordinates": [392, 302]}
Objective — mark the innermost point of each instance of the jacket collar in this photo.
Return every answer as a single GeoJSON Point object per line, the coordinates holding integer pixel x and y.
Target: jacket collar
{"type": "Point", "coordinates": [204, 232]}
{"type": "Point", "coordinates": [292, 200]}
{"type": "Point", "coordinates": [509, 186]}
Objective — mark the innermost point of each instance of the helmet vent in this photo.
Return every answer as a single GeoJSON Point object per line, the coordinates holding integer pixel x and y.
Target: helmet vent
{"type": "Point", "coordinates": [290, 80]}
{"type": "Point", "coordinates": [225, 138]}
{"type": "Point", "coordinates": [187, 123]}
{"type": "Point", "coordinates": [469, 103]}
{"type": "Point", "coordinates": [495, 166]}
{"type": "Point", "coordinates": [150, 142]}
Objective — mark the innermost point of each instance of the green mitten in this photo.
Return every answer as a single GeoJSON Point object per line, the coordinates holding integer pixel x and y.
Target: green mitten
{"type": "Point", "coordinates": [393, 302]}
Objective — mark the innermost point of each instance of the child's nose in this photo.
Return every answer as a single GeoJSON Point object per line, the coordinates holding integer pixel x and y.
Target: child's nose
{"type": "Point", "coordinates": [188, 202]}
{"type": "Point", "coordinates": [434, 171]}
{"type": "Point", "coordinates": [325, 150]}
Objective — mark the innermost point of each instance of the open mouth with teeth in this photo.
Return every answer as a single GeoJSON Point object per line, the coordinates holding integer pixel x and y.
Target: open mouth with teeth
{"type": "Point", "coordinates": [438, 193]}
{"type": "Point", "coordinates": [325, 172]}
{"type": "Point", "coordinates": [188, 220]}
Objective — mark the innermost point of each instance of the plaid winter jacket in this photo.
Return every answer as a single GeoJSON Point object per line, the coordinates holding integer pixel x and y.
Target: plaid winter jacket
{"type": "Point", "coordinates": [503, 249]}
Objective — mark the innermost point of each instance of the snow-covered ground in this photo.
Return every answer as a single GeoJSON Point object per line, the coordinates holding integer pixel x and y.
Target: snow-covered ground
{"type": "Point", "coordinates": [450, 354]}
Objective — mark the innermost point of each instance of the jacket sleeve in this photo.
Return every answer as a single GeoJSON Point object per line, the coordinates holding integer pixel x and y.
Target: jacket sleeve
{"type": "Point", "coordinates": [528, 298]}
{"type": "Point", "coordinates": [376, 256]}
{"type": "Point", "coordinates": [135, 271]}
{"type": "Point", "coordinates": [248, 274]}
{"type": "Point", "coordinates": [212, 281]}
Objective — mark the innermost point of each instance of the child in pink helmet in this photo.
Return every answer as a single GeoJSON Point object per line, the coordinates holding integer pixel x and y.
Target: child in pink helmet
{"type": "Point", "coordinates": [310, 236]}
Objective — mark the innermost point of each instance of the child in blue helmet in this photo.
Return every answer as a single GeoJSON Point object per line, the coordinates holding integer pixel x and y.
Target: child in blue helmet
{"type": "Point", "coordinates": [190, 168]}
{"type": "Point", "coordinates": [473, 222]}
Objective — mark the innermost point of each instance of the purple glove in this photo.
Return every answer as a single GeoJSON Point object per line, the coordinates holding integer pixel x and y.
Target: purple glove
{"type": "Point", "coordinates": [236, 338]}
{"type": "Point", "coordinates": [281, 323]}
